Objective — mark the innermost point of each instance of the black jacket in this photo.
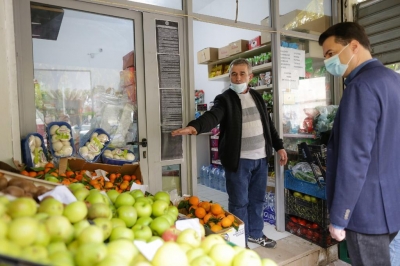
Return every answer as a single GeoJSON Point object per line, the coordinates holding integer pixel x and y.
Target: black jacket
{"type": "Point", "coordinates": [227, 111]}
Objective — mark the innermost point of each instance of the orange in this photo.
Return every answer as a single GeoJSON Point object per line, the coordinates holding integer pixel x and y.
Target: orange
{"type": "Point", "coordinates": [192, 208]}
{"type": "Point", "coordinates": [231, 217]}
{"type": "Point", "coordinates": [32, 174]}
{"type": "Point", "coordinates": [69, 173]}
{"type": "Point", "coordinates": [206, 205]}
{"type": "Point", "coordinates": [112, 177]}
{"type": "Point", "coordinates": [24, 173]}
{"type": "Point", "coordinates": [201, 221]}
{"type": "Point", "coordinates": [193, 200]}
{"type": "Point", "coordinates": [216, 209]}
{"type": "Point", "coordinates": [54, 174]}
{"type": "Point", "coordinates": [226, 222]}
{"type": "Point", "coordinates": [134, 177]}
{"type": "Point", "coordinates": [221, 216]}
{"type": "Point", "coordinates": [127, 178]}
{"type": "Point", "coordinates": [207, 217]}
{"type": "Point", "coordinates": [109, 185]}
{"type": "Point", "coordinates": [49, 165]}
{"type": "Point", "coordinates": [40, 172]}
{"type": "Point", "coordinates": [200, 212]}
{"type": "Point", "coordinates": [138, 182]}
{"type": "Point", "coordinates": [216, 228]}
{"type": "Point", "coordinates": [124, 186]}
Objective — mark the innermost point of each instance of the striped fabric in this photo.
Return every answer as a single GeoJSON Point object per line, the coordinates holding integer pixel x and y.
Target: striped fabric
{"type": "Point", "coordinates": [253, 142]}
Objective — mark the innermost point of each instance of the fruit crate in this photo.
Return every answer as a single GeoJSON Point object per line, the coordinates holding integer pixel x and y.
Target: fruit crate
{"type": "Point", "coordinates": [306, 207]}
{"type": "Point", "coordinates": [12, 261]}
{"type": "Point", "coordinates": [309, 231]}
{"type": "Point", "coordinates": [308, 188]}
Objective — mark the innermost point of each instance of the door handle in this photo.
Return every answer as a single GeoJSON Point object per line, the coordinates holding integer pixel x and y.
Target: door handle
{"type": "Point", "coordinates": [143, 143]}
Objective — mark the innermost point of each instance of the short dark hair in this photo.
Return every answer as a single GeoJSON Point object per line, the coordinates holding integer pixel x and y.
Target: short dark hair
{"type": "Point", "coordinates": [241, 61]}
{"type": "Point", "coordinates": [345, 32]}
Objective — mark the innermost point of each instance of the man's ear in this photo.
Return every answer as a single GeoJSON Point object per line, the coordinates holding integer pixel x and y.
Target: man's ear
{"type": "Point", "coordinates": [355, 46]}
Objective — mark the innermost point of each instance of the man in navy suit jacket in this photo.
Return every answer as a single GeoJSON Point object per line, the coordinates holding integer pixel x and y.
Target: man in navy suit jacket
{"type": "Point", "coordinates": [363, 160]}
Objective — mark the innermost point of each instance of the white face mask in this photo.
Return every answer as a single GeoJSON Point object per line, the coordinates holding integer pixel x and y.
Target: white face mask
{"type": "Point", "coordinates": [238, 88]}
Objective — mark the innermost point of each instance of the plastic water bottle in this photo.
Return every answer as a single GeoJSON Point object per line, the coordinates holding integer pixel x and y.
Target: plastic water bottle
{"type": "Point", "coordinates": [212, 179]}
{"type": "Point", "coordinates": [222, 180]}
{"type": "Point", "coordinates": [216, 178]}
{"type": "Point", "coordinates": [207, 176]}
{"type": "Point", "coordinates": [203, 173]}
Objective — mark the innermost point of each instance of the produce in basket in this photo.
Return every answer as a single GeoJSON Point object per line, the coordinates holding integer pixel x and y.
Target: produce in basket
{"type": "Point", "coordinates": [60, 140]}
{"type": "Point", "coordinates": [94, 146]}
{"type": "Point", "coordinates": [119, 154]}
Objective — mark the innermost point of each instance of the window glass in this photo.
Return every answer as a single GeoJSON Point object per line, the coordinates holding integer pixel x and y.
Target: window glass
{"type": "Point", "coordinates": [171, 178]}
{"type": "Point", "coordinates": [175, 4]}
{"type": "Point", "coordinates": [311, 16]}
{"type": "Point", "coordinates": [84, 72]}
{"type": "Point", "coordinates": [254, 13]}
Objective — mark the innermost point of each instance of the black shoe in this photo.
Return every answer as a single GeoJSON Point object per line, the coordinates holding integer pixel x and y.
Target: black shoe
{"type": "Point", "coordinates": [263, 241]}
{"type": "Point", "coordinates": [247, 246]}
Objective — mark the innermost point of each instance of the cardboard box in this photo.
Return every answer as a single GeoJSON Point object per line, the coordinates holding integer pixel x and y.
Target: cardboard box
{"type": "Point", "coordinates": [207, 55]}
{"type": "Point", "coordinates": [238, 46]}
{"type": "Point", "coordinates": [254, 43]}
{"type": "Point", "coordinates": [230, 234]}
{"type": "Point", "coordinates": [128, 60]}
{"type": "Point", "coordinates": [265, 37]}
{"type": "Point", "coordinates": [223, 52]}
{"type": "Point", "coordinates": [127, 77]}
{"type": "Point", "coordinates": [76, 164]}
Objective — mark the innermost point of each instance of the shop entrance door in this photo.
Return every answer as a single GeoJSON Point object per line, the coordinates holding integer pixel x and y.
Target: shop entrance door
{"type": "Point", "coordinates": [83, 64]}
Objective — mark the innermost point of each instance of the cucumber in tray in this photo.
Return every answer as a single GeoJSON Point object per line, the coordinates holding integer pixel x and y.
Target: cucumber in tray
{"type": "Point", "coordinates": [305, 176]}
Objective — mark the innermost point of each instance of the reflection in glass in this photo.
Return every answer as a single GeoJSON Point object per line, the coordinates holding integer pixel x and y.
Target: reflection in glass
{"type": "Point", "coordinates": [171, 178]}
{"type": "Point", "coordinates": [84, 72]}
{"type": "Point", "coordinates": [307, 111]}
{"type": "Point", "coordinates": [311, 16]}
{"type": "Point", "coordinates": [175, 4]}
{"type": "Point", "coordinates": [251, 13]}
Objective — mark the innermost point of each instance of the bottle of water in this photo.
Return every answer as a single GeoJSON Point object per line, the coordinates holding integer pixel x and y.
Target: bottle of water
{"type": "Point", "coordinates": [207, 176]}
{"type": "Point", "coordinates": [222, 180]}
{"type": "Point", "coordinates": [202, 174]}
{"type": "Point", "coordinates": [212, 179]}
{"type": "Point", "coordinates": [216, 178]}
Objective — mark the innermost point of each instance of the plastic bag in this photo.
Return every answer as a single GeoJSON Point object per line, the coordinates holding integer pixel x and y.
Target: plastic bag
{"type": "Point", "coordinates": [304, 172]}
{"type": "Point", "coordinates": [324, 121]}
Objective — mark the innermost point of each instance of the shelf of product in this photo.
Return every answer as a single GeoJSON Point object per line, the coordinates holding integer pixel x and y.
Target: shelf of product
{"type": "Point", "coordinates": [256, 69]}
{"type": "Point", "coordinates": [299, 135]}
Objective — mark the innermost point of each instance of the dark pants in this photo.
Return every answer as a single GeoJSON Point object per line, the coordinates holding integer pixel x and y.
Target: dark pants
{"type": "Point", "coordinates": [246, 190]}
{"type": "Point", "coordinates": [369, 250]}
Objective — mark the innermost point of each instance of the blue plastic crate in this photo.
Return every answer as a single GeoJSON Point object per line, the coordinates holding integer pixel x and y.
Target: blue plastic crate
{"type": "Point", "coordinates": [308, 188]}
{"type": "Point", "coordinates": [86, 138]}
{"type": "Point", "coordinates": [71, 140]}
{"type": "Point", "coordinates": [106, 160]}
{"type": "Point", "coordinates": [26, 152]}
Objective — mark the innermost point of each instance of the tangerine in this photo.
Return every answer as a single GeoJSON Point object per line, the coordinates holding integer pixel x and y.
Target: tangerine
{"type": "Point", "coordinates": [226, 222]}
{"type": "Point", "coordinates": [207, 217]}
{"type": "Point", "coordinates": [127, 177]}
{"type": "Point", "coordinates": [49, 165]}
{"type": "Point", "coordinates": [216, 228]}
{"type": "Point", "coordinates": [32, 174]}
{"type": "Point", "coordinates": [206, 205]}
{"type": "Point", "coordinates": [24, 173]}
{"type": "Point", "coordinates": [200, 212]}
{"type": "Point", "coordinates": [216, 209]}
{"type": "Point", "coordinates": [231, 217]}
{"type": "Point", "coordinates": [193, 200]}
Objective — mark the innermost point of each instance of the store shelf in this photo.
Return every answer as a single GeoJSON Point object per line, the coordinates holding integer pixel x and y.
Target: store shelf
{"type": "Point", "coordinates": [256, 69]}
{"type": "Point", "coordinates": [300, 136]}
{"type": "Point", "coordinates": [263, 87]}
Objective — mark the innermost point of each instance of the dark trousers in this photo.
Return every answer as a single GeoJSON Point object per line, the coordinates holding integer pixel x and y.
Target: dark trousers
{"type": "Point", "coordinates": [369, 250]}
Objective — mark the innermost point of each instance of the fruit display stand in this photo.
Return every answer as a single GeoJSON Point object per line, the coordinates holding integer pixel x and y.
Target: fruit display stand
{"type": "Point", "coordinates": [306, 211]}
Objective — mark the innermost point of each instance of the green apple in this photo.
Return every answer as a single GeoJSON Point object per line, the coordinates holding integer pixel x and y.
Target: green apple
{"type": "Point", "coordinates": [51, 178]}
{"type": "Point", "coordinates": [99, 210]}
{"type": "Point", "coordinates": [96, 197]}
{"type": "Point", "coordinates": [185, 247]}
{"type": "Point", "coordinates": [112, 260]}
{"type": "Point", "coordinates": [154, 238]}
{"type": "Point", "coordinates": [81, 193]}
{"type": "Point", "coordinates": [21, 207]}
{"type": "Point", "coordinates": [144, 199]}
{"type": "Point", "coordinates": [79, 226]}
{"type": "Point", "coordinates": [3, 229]}
{"type": "Point", "coordinates": [105, 225]}
{"type": "Point", "coordinates": [42, 236]}
{"type": "Point", "coordinates": [23, 231]}
{"type": "Point", "coordinates": [222, 254]}
{"type": "Point", "coordinates": [41, 216]}
{"type": "Point", "coordinates": [143, 209]}
{"type": "Point", "coordinates": [112, 194]}
{"type": "Point", "coordinates": [159, 207]}
{"type": "Point", "coordinates": [123, 248]}
{"type": "Point", "coordinates": [314, 200]}
{"type": "Point", "coordinates": [59, 228]}
{"type": "Point", "coordinates": [170, 219]}
{"type": "Point", "coordinates": [268, 262]}
{"type": "Point", "coordinates": [9, 248]}
{"type": "Point", "coordinates": [121, 233]}
{"type": "Point", "coordinates": [170, 252]}
{"type": "Point", "coordinates": [307, 198]}
{"type": "Point", "coordinates": [117, 222]}
{"type": "Point", "coordinates": [173, 210]}
{"type": "Point", "coordinates": [34, 253]}
{"type": "Point", "coordinates": [75, 211]}
{"type": "Point", "coordinates": [51, 206]}
{"type": "Point", "coordinates": [189, 236]}
{"type": "Point", "coordinates": [161, 195]}
{"type": "Point", "coordinates": [297, 194]}
{"type": "Point", "coordinates": [64, 258]}
{"type": "Point", "coordinates": [90, 254]}
{"type": "Point", "coordinates": [91, 234]}
{"type": "Point", "coordinates": [137, 193]}
{"type": "Point", "coordinates": [204, 260]}
{"type": "Point", "coordinates": [247, 257]}
{"type": "Point", "coordinates": [75, 186]}
{"type": "Point", "coordinates": [159, 225]}
{"type": "Point", "coordinates": [56, 247]}
{"type": "Point", "coordinates": [73, 247]}
{"type": "Point", "coordinates": [124, 199]}
{"type": "Point", "coordinates": [142, 232]}
{"type": "Point", "coordinates": [194, 253]}
{"type": "Point", "coordinates": [128, 214]}
{"type": "Point", "coordinates": [211, 240]}
{"type": "Point", "coordinates": [144, 221]}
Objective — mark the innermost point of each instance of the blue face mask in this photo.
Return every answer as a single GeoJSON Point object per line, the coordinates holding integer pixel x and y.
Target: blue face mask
{"type": "Point", "coordinates": [334, 66]}
{"type": "Point", "coordinates": [238, 88]}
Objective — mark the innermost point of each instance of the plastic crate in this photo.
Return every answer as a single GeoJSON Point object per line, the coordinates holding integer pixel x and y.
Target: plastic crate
{"type": "Point", "coordinates": [319, 236]}
{"type": "Point", "coordinates": [343, 252]}
{"type": "Point", "coordinates": [87, 137]}
{"type": "Point", "coordinates": [106, 160]}
{"type": "Point", "coordinates": [71, 140]}
{"type": "Point", "coordinates": [316, 212]}
{"type": "Point", "coordinates": [308, 188]}
{"type": "Point", "coordinates": [13, 261]}
{"type": "Point", "coordinates": [321, 150]}
{"type": "Point", "coordinates": [26, 152]}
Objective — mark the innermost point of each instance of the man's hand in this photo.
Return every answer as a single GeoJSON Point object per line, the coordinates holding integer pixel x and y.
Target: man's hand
{"type": "Point", "coordinates": [283, 156]}
{"type": "Point", "coordinates": [184, 131]}
{"type": "Point", "coordinates": [338, 234]}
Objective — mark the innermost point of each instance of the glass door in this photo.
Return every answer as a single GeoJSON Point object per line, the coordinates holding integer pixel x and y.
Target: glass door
{"type": "Point", "coordinates": [88, 71]}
